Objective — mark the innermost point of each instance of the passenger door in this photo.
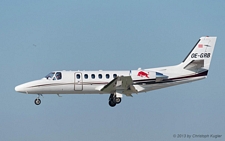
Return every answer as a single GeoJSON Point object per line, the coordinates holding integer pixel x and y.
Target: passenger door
{"type": "Point", "coordinates": [78, 81]}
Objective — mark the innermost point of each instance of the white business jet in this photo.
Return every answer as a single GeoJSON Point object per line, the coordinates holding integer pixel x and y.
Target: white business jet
{"type": "Point", "coordinates": [118, 83]}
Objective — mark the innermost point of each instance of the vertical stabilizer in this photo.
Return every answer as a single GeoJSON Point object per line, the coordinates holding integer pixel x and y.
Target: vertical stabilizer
{"type": "Point", "coordinates": [201, 54]}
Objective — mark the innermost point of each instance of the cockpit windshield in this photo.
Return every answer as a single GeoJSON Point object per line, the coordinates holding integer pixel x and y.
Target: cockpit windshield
{"type": "Point", "coordinates": [54, 76]}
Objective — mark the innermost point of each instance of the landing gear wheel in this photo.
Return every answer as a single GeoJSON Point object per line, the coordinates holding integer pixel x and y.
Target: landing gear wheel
{"type": "Point", "coordinates": [112, 103]}
{"type": "Point", "coordinates": [37, 101]}
{"type": "Point", "coordinates": [113, 100]}
{"type": "Point", "coordinates": [118, 100]}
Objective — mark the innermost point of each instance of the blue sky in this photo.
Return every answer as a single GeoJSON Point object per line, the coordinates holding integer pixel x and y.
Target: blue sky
{"type": "Point", "coordinates": [41, 36]}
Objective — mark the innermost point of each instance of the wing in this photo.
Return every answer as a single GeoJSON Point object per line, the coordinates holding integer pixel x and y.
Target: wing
{"type": "Point", "coordinates": [123, 84]}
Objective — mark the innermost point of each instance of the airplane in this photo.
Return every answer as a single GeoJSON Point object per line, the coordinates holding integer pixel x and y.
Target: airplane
{"type": "Point", "coordinates": [194, 67]}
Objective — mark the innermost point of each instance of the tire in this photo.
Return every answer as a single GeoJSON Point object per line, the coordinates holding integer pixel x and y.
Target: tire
{"type": "Point", "coordinates": [112, 104]}
{"type": "Point", "coordinates": [37, 101]}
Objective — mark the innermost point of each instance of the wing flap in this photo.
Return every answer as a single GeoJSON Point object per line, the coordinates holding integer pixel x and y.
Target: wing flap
{"type": "Point", "coordinates": [110, 87]}
{"type": "Point", "coordinates": [124, 84]}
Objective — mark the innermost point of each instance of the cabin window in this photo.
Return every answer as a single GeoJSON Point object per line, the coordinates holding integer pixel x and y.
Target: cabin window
{"type": "Point", "coordinates": [78, 76]}
{"type": "Point", "coordinates": [100, 76]}
{"type": "Point", "coordinates": [93, 76]}
{"type": "Point", "coordinates": [114, 75]}
{"type": "Point", "coordinates": [107, 76]}
{"type": "Point", "coordinates": [86, 76]}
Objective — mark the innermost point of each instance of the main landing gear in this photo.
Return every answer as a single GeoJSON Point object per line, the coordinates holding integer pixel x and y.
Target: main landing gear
{"type": "Point", "coordinates": [113, 100]}
{"type": "Point", "coordinates": [37, 101]}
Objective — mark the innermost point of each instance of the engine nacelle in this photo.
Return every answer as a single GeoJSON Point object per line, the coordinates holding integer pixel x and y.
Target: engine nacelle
{"type": "Point", "coordinates": [145, 74]}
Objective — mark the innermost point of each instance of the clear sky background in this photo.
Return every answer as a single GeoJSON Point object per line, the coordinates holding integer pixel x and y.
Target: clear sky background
{"type": "Point", "coordinates": [37, 37]}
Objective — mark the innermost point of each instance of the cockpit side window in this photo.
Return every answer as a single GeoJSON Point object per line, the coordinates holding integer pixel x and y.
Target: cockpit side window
{"type": "Point", "coordinates": [58, 75]}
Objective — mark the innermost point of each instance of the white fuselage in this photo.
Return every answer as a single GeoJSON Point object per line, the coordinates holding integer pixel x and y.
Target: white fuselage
{"type": "Point", "coordinates": [194, 67]}
{"type": "Point", "coordinates": [91, 82]}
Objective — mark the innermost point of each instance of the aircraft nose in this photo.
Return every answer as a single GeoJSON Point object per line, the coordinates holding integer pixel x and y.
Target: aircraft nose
{"type": "Point", "coordinates": [20, 88]}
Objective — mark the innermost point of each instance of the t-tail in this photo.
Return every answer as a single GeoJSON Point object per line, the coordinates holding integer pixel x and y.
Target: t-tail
{"type": "Point", "coordinates": [199, 58]}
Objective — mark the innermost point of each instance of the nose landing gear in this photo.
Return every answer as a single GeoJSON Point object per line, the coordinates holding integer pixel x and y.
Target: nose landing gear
{"type": "Point", "coordinates": [37, 101]}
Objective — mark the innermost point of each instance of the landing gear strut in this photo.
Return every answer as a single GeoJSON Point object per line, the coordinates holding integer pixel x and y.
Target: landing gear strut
{"type": "Point", "coordinates": [37, 101]}
{"type": "Point", "coordinates": [113, 100]}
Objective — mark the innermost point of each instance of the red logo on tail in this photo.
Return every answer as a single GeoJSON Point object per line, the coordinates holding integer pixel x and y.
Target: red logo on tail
{"type": "Point", "coordinates": [143, 74]}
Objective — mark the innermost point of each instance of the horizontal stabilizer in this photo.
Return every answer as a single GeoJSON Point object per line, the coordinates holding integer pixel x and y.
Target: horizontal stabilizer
{"type": "Point", "coordinates": [195, 65]}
